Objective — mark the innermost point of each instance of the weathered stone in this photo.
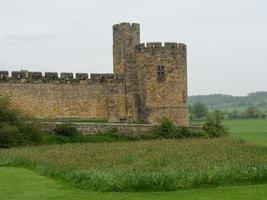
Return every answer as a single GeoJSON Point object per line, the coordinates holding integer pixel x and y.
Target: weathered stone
{"type": "Point", "coordinates": [149, 82]}
{"type": "Point", "coordinates": [3, 76]}
{"type": "Point", "coordinates": [102, 77]}
{"type": "Point", "coordinates": [81, 76]}
{"type": "Point", "coordinates": [66, 77]}
{"type": "Point", "coordinates": [35, 76]}
{"type": "Point", "coordinates": [102, 128]}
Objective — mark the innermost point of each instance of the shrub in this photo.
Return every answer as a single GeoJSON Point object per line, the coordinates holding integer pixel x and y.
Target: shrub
{"type": "Point", "coordinates": [66, 129]}
{"type": "Point", "coordinates": [184, 132]}
{"type": "Point", "coordinates": [15, 128]}
{"type": "Point", "coordinates": [214, 125]}
{"type": "Point", "coordinates": [9, 136]}
{"type": "Point", "coordinates": [201, 134]}
{"type": "Point", "coordinates": [31, 133]}
{"type": "Point", "coordinates": [165, 130]}
{"type": "Point", "coordinates": [212, 128]}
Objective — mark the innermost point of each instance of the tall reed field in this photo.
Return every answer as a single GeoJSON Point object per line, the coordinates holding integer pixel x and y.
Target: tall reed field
{"type": "Point", "coordinates": [152, 165]}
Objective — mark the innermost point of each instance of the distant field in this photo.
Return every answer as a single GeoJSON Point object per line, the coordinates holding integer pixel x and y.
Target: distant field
{"type": "Point", "coordinates": [250, 130]}
{"type": "Point", "coordinates": [22, 184]}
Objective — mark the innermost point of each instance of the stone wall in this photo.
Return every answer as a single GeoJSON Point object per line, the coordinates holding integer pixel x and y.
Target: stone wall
{"type": "Point", "coordinates": [25, 76]}
{"type": "Point", "coordinates": [94, 100]}
{"type": "Point", "coordinates": [133, 92]}
{"type": "Point", "coordinates": [125, 129]}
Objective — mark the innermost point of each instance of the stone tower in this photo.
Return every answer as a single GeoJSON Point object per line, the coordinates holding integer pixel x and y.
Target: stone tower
{"type": "Point", "coordinates": [126, 37]}
{"type": "Point", "coordinates": [155, 76]}
{"type": "Point", "coordinates": [149, 82]}
{"type": "Point", "coordinates": [162, 76]}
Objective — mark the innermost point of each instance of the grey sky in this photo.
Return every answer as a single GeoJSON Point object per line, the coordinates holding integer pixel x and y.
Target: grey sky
{"type": "Point", "coordinates": [226, 39]}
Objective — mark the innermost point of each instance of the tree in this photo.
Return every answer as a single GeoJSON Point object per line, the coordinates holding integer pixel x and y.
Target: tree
{"type": "Point", "coordinates": [234, 115]}
{"type": "Point", "coordinates": [214, 124]}
{"type": "Point", "coordinates": [215, 117]}
{"type": "Point", "coordinates": [252, 112]}
{"type": "Point", "coordinates": [199, 110]}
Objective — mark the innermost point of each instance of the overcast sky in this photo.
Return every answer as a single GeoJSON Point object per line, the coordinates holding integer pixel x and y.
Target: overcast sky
{"type": "Point", "coordinates": [226, 39]}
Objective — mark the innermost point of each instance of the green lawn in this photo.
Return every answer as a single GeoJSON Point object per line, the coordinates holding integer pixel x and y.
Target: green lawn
{"type": "Point", "coordinates": [22, 184]}
{"type": "Point", "coordinates": [251, 130]}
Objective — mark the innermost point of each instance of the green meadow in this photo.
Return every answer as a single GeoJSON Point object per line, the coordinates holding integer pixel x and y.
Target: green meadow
{"type": "Point", "coordinates": [233, 167]}
{"type": "Point", "coordinates": [251, 130]}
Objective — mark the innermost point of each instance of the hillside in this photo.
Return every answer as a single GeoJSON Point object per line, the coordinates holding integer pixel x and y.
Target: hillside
{"type": "Point", "coordinates": [229, 102]}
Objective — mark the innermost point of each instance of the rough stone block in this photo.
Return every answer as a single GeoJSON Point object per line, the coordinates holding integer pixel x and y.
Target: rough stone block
{"type": "Point", "coordinates": [51, 75]}
{"type": "Point", "coordinates": [81, 76]}
{"type": "Point", "coordinates": [3, 75]}
{"type": "Point", "coordinates": [35, 76]}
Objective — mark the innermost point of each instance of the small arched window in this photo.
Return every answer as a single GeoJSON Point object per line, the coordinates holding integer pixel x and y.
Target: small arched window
{"type": "Point", "coordinates": [160, 72]}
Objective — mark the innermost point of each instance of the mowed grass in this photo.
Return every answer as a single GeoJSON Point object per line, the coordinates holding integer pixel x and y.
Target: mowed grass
{"type": "Point", "coordinates": [159, 165]}
{"type": "Point", "coordinates": [251, 130]}
{"type": "Point", "coordinates": [22, 184]}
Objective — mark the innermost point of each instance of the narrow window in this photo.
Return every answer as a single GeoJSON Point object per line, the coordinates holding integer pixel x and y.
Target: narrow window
{"type": "Point", "coordinates": [160, 72]}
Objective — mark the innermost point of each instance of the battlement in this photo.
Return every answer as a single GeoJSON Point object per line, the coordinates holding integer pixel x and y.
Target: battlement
{"type": "Point", "coordinates": [149, 82]}
{"type": "Point", "coordinates": [126, 25]}
{"type": "Point", "coordinates": [25, 76]}
{"type": "Point", "coordinates": [157, 47]}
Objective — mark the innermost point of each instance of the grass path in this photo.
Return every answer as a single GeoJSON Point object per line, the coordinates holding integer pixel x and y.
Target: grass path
{"type": "Point", "coordinates": [22, 184]}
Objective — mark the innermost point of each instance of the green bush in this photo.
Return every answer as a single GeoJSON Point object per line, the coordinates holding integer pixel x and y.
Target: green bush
{"type": "Point", "coordinates": [66, 129]}
{"type": "Point", "coordinates": [167, 129]}
{"type": "Point", "coordinates": [31, 133]}
{"type": "Point", "coordinates": [214, 125]}
{"type": "Point", "coordinates": [9, 136]}
{"type": "Point", "coordinates": [16, 128]}
{"type": "Point", "coordinates": [201, 134]}
{"type": "Point", "coordinates": [212, 128]}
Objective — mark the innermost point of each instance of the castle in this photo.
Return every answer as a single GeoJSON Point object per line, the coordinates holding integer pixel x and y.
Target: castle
{"type": "Point", "coordinates": [149, 82]}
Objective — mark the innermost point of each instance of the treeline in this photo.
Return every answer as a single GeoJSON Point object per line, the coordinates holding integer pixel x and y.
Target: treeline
{"type": "Point", "coordinates": [198, 111]}
{"type": "Point", "coordinates": [219, 100]}
{"type": "Point", "coordinates": [252, 112]}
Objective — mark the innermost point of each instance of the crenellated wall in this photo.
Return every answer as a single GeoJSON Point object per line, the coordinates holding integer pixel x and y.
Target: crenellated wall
{"type": "Point", "coordinates": [65, 96]}
{"type": "Point", "coordinates": [149, 82]}
{"type": "Point", "coordinates": [25, 76]}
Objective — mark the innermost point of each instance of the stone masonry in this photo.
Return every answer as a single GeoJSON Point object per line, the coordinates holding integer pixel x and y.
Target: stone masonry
{"type": "Point", "coordinates": [149, 82]}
